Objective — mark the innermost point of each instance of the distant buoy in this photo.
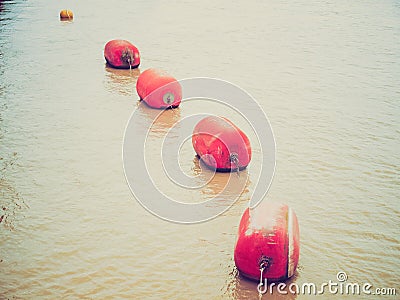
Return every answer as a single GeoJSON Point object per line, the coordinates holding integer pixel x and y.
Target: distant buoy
{"type": "Point", "coordinates": [159, 89]}
{"type": "Point", "coordinates": [268, 239]}
{"type": "Point", "coordinates": [221, 145]}
{"type": "Point", "coordinates": [121, 54]}
{"type": "Point", "coordinates": [66, 14]}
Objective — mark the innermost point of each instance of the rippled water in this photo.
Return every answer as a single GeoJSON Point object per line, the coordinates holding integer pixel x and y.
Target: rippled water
{"type": "Point", "coordinates": [327, 75]}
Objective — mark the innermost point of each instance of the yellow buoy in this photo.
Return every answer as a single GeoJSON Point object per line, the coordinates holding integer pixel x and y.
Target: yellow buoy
{"type": "Point", "coordinates": [66, 14]}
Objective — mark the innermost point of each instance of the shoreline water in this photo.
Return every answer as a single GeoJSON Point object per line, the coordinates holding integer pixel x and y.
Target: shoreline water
{"type": "Point", "coordinates": [326, 75]}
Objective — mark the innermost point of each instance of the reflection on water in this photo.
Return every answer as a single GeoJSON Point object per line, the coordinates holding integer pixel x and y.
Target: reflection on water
{"type": "Point", "coordinates": [160, 121]}
{"type": "Point", "coordinates": [122, 80]}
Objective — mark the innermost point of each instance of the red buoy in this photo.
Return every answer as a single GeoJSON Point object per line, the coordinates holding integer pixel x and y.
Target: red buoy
{"type": "Point", "coordinates": [268, 238]}
{"type": "Point", "coordinates": [121, 54]}
{"type": "Point", "coordinates": [221, 145]}
{"type": "Point", "coordinates": [159, 89]}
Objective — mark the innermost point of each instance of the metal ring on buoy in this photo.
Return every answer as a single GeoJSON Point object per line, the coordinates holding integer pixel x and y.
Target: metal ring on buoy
{"type": "Point", "coordinates": [121, 54]}
{"type": "Point", "coordinates": [158, 89]}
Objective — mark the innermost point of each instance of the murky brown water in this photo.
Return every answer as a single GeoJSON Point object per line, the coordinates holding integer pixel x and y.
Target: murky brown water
{"type": "Point", "coordinates": [326, 73]}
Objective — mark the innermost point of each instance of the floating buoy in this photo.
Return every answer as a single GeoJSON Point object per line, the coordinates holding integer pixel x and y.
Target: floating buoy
{"type": "Point", "coordinates": [268, 242]}
{"type": "Point", "coordinates": [221, 145]}
{"type": "Point", "coordinates": [159, 89]}
{"type": "Point", "coordinates": [121, 54]}
{"type": "Point", "coordinates": [66, 14]}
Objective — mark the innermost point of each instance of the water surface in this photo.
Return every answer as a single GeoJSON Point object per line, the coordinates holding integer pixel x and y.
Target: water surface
{"type": "Point", "coordinates": [327, 75]}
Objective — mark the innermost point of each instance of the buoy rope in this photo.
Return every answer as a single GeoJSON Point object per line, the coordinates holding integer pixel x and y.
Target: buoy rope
{"type": "Point", "coordinates": [234, 158]}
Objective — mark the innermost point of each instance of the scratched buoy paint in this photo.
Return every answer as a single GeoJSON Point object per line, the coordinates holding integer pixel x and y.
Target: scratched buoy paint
{"type": "Point", "coordinates": [66, 14]}
{"type": "Point", "coordinates": [221, 145]}
{"type": "Point", "coordinates": [158, 89]}
{"type": "Point", "coordinates": [121, 54]}
{"type": "Point", "coordinates": [268, 239]}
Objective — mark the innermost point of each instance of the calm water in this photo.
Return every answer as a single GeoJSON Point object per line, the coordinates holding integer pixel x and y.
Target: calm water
{"type": "Point", "coordinates": [327, 75]}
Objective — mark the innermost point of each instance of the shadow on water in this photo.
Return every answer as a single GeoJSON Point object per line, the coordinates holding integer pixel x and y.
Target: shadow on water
{"type": "Point", "coordinates": [122, 81]}
{"type": "Point", "coordinates": [161, 120]}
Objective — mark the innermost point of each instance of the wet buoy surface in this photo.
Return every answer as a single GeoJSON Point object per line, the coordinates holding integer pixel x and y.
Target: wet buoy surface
{"type": "Point", "coordinates": [221, 145]}
{"type": "Point", "coordinates": [268, 238]}
{"type": "Point", "coordinates": [66, 14]}
{"type": "Point", "coordinates": [121, 54]}
{"type": "Point", "coordinates": [158, 89]}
